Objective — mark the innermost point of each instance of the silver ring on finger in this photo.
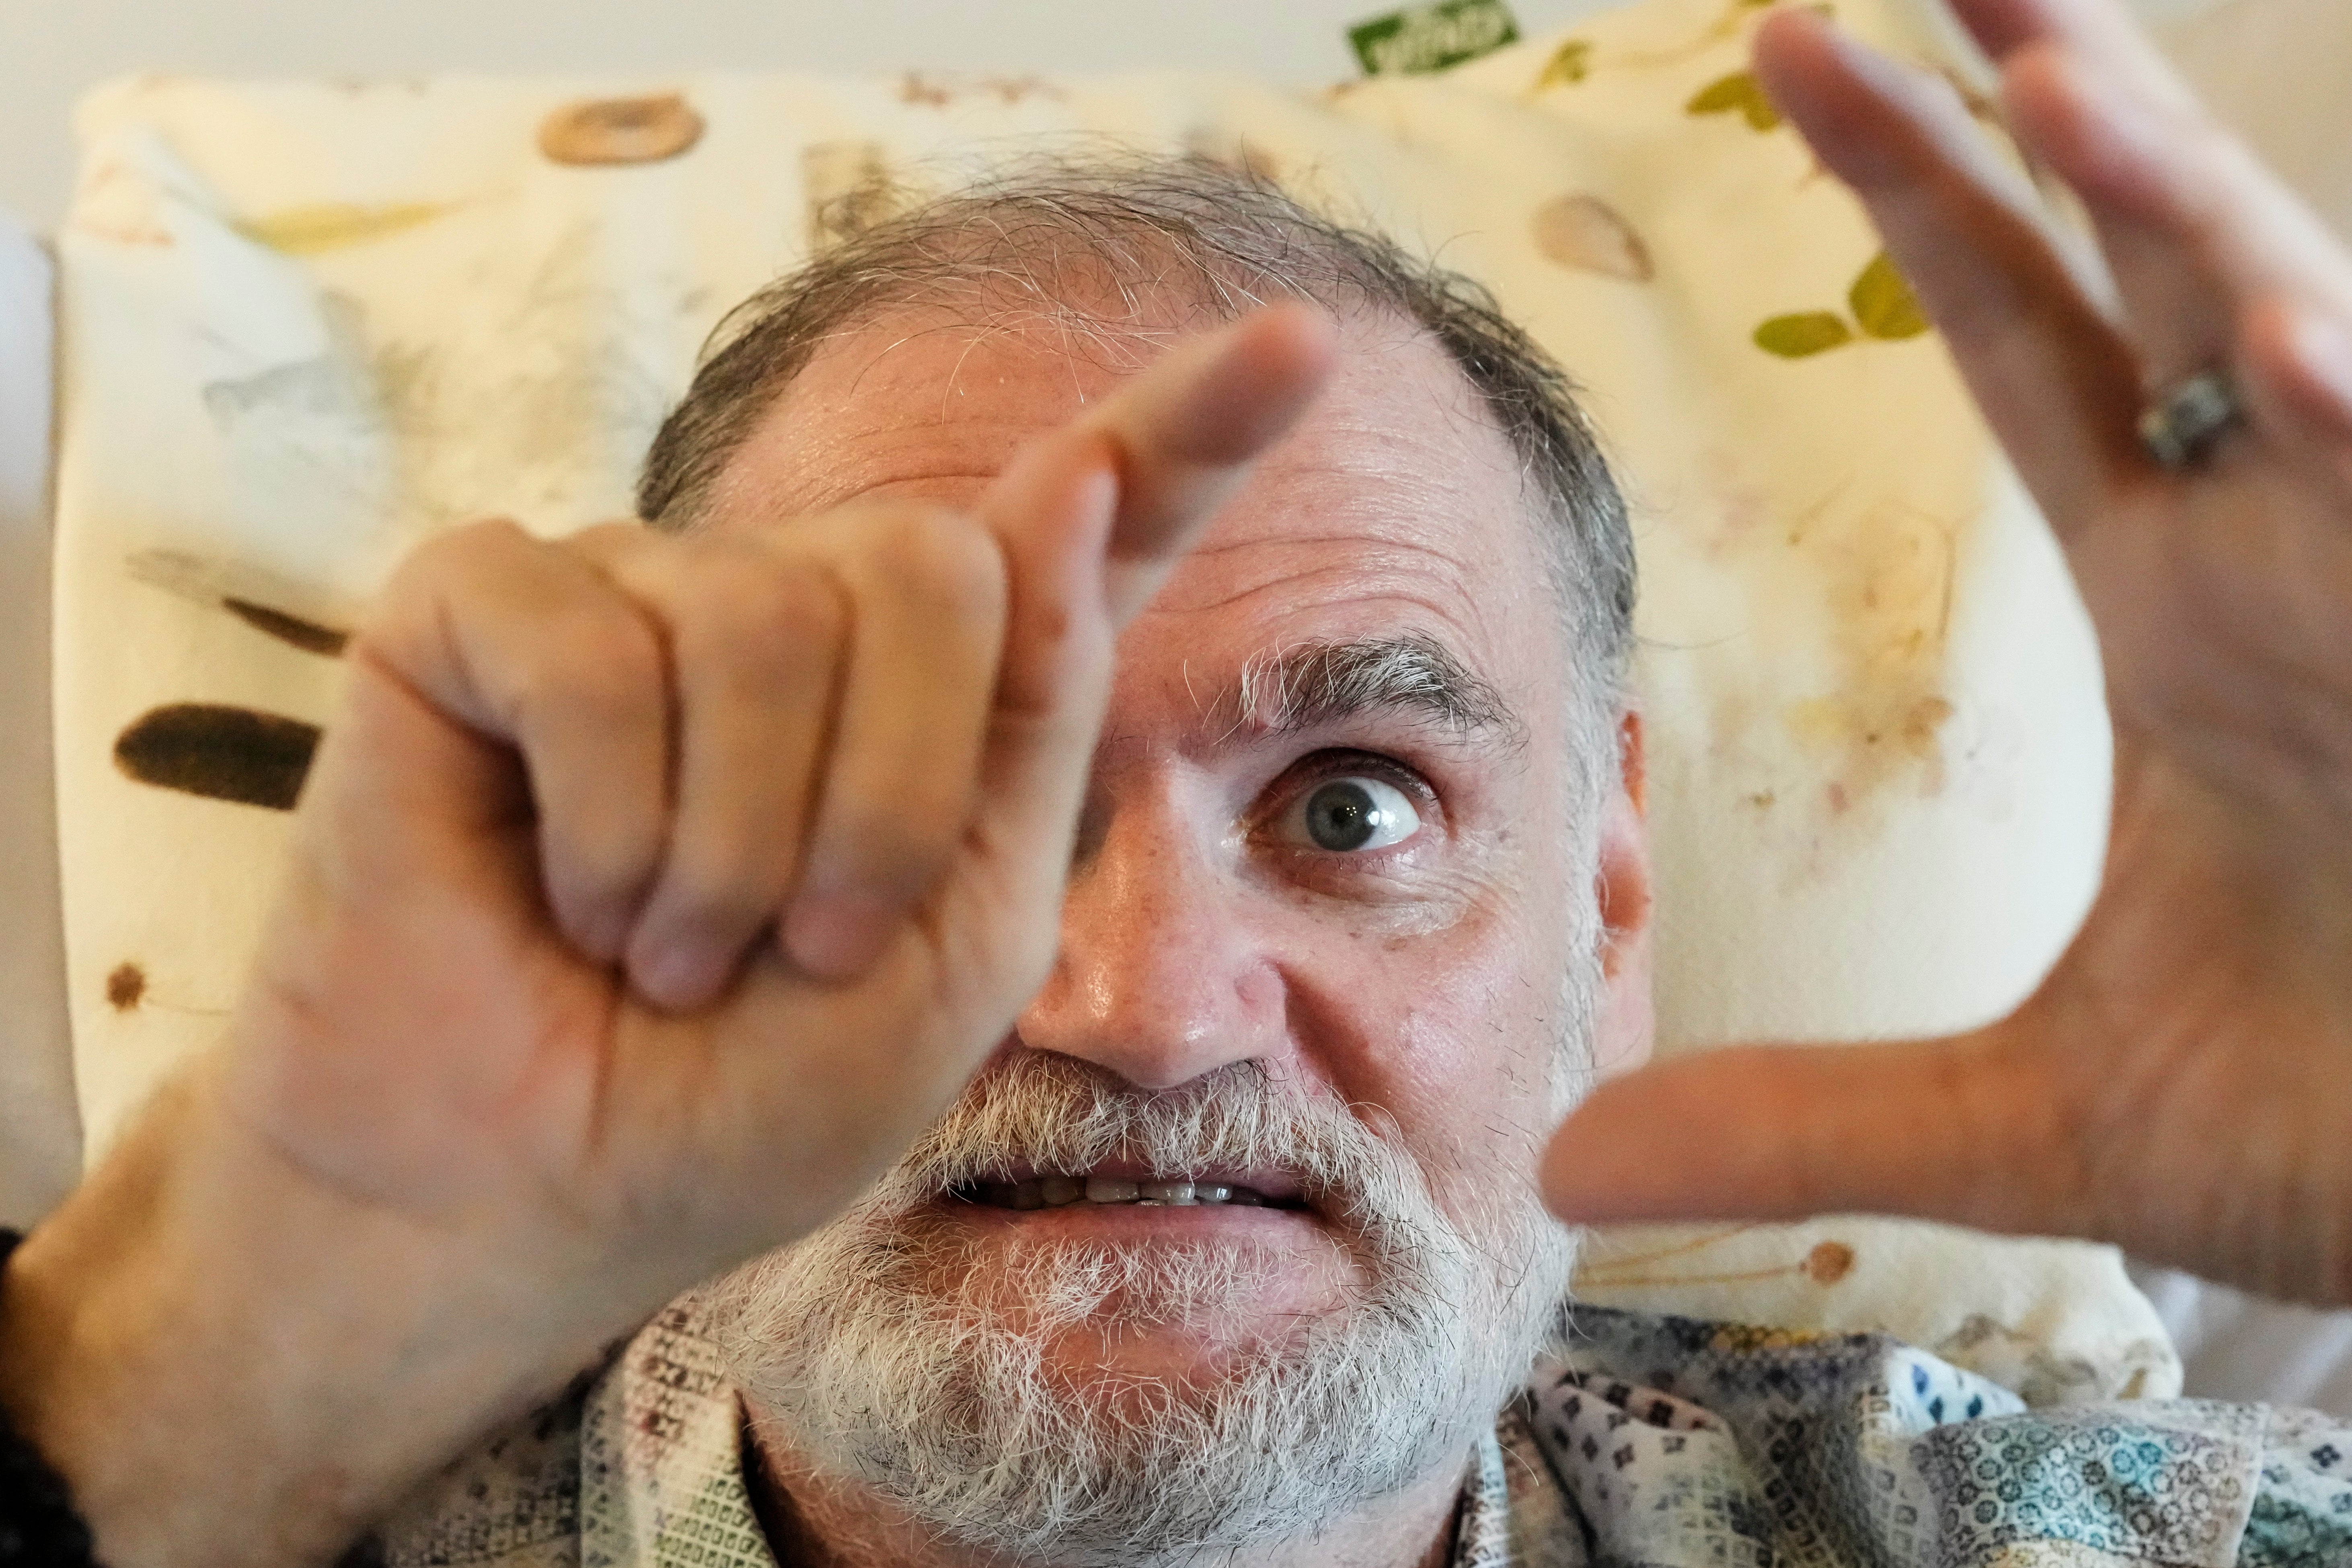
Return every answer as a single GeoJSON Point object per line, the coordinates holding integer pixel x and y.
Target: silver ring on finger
{"type": "Point", "coordinates": [2181, 428]}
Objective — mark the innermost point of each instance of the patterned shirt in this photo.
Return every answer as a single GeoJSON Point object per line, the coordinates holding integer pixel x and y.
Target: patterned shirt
{"type": "Point", "coordinates": [1641, 1442]}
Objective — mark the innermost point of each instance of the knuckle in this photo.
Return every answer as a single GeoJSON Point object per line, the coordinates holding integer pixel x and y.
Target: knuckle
{"type": "Point", "coordinates": [464, 551]}
{"type": "Point", "coordinates": [946, 559]}
{"type": "Point", "coordinates": [469, 540]}
{"type": "Point", "coordinates": [900, 862]}
{"type": "Point", "coordinates": [459, 614]}
{"type": "Point", "coordinates": [807, 600]}
{"type": "Point", "coordinates": [782, 614]}
{"type": "Point", "coordinates": [715, 606]}
{"type": "Point", "coordinates": [595, 656]}
{"type": "Point", "coordinates": [701, 900]}
{"type": "Point", "coordinates": [615, 537]}
{"type": "Point", "coordinates": [784, 601]}
{"type": "Point", "coordinates": [904, 852]}
{"type": "Point", "coordinates": [454, 556]}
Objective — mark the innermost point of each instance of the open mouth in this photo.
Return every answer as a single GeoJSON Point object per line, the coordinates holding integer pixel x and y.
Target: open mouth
{"type": "Point", "coordinates": [1063, 1190]}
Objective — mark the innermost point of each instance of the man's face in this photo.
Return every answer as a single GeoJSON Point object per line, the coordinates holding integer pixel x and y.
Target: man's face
{"type": "Point", "coordinates": [1331, 939]}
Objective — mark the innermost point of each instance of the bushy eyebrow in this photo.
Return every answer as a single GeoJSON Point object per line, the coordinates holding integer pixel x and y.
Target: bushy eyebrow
{"type": "Point", "coordinates": [1311, 686]}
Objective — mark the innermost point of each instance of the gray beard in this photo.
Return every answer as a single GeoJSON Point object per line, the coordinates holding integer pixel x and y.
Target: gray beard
{"type": "Point", "coordinates": [883, 1354]}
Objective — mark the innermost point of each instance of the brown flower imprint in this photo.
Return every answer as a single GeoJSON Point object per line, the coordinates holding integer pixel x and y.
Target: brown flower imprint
{"type": "Point", "coordinates": [125, 984]}
{"type": "Point", "coordinates": [1584, 232]}
{"type": "Point", "coordinates": [603, 131]}
{"type": "Point", "coordinates": [127, 991]}
{"type": "Point", "coordinates": [1829, 1262]}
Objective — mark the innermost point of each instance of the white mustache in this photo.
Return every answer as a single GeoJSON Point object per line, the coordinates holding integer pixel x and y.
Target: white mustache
{"type": "Point", "coordinates": [904, 1348]}
{"type": "Point", "coordinates": [1038, 1111]}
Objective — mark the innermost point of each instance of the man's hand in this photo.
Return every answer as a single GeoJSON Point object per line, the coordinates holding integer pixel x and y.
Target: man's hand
{"type": "Point", "coordinates": [526, 963]}
{"type": "Point", "coordinates": [2181, 1084]}
{"type": "Point", "coordinates": [650, 895]}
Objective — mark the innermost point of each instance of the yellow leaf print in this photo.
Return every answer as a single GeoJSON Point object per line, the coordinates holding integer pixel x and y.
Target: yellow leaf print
{"type": "Point", "coordinates": [1883, 304]}
{"type": "Point", "coordinates": [1568, 65]}
{"type": "Point", "coordinates": [1804, 334]}
{"type": "Point", "coordinates": [330, 225]}
{"type": "Point", "coordinates": [1738, 93]}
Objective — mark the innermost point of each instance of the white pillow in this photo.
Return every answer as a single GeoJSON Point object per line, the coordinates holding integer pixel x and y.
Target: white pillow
{"type": "Point", "coordinates": [308, 324]}
{"type": "Point", "coordinates": [2056, 1321]}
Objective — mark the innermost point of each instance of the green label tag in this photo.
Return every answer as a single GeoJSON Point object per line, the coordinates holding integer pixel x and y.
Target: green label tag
{"type": "Point", "coordinates": [1432, 37]}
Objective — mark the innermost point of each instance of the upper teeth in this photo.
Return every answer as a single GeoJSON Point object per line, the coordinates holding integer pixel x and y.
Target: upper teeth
{"type": "Point", "coordinates": [1051, 1192]}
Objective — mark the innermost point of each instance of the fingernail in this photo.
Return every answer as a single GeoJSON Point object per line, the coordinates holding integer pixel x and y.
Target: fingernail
{"type": "Point", "coordinates": [603, 933]}
{"type": "Point", "coordinates": [676, 979]}
{"type": "Point", "coordinates": [837, 936]}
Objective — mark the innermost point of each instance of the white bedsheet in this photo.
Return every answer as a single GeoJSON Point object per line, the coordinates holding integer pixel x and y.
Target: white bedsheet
{"type": "Point", "coordinates": [2240, 1347]}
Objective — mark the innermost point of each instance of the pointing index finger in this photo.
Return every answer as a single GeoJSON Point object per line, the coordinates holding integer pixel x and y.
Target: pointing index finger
{"type": "Point", "coordinates": [1092, 519]}
{"type": "Point", "coordinates": [1183, 435]}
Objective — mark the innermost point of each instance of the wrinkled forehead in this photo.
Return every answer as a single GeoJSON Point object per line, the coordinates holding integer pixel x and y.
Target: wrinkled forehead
{"type": "Point", "coordinates": [1397, 498]}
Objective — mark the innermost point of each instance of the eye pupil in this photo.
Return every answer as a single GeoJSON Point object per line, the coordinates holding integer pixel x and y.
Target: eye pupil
{"type": "Point", "coordinates": [1343, 816]}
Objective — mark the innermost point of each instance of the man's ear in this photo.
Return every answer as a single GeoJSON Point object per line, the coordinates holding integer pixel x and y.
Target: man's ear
{"type": "Point", "coordinates": [1626, 1026]}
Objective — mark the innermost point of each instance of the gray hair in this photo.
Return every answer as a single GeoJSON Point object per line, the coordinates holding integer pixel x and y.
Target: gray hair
{"type": "Point", "coordinates": [1042, 240]}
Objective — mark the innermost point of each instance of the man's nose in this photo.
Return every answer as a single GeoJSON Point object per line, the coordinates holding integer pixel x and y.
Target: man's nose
{"type": "Point", "coordinates": [1157, 978]}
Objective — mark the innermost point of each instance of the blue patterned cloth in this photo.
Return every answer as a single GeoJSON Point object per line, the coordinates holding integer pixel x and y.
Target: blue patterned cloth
{"type": "Point", "coordinates": [1641, 1442]}
{"type": "Point", "coordinates": [1683, 1444]}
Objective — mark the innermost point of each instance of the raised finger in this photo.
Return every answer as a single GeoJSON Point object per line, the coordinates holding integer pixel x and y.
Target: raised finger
{"type": "Point", "coordinates": [2195, 228]}
{"type": "Point", "coordinates": [2098, 28]}
{"type": "Point", "coordinates": [529, 644]}
{"type": "Point", "coordinates": [755, 639]}
{"type": "Point", "coordinates": [1092, 520]}
{"type": "Point", "coordinates": [2055, 380]}
{"type": "Point", "coordinates": [926, 592]}
{"type": "Point", "coordinates": [1952, 1129]}
{"type": "Point", "coordinates": [1182, 436]}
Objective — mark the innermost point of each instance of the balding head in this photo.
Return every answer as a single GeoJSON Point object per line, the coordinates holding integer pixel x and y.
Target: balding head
{"type": "Point", "coordinates": [1112, 258]}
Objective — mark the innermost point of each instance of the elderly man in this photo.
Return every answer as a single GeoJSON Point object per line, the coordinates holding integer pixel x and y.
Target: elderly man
{"type": "Point", "coordinates": [658, 889]}
{"type": "Point", "coordinates": [1235, 1242]}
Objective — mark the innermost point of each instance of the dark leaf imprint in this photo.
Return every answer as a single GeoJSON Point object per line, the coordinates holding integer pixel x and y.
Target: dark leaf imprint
{"type": "Point", "coordinates": [244, 592]}
{"type": "Point", "coordinates": [220, 752]}
{"type": "Point", "coordinates": [308, 635]}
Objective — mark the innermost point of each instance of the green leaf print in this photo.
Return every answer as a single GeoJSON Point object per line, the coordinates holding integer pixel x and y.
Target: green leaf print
{"type": "Point", "coordinates": [1804, 334]}
{"type": "Point", "coordinates": [1883, 304]}
{"type": "Point", "coordinates": [1738, 93]}
{"type": "Point", "coordinates": [1570, 64]}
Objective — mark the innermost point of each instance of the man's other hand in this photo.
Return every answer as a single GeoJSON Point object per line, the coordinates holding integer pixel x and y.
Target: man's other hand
{"type": "Point", "coordinates": [2181, 1084]}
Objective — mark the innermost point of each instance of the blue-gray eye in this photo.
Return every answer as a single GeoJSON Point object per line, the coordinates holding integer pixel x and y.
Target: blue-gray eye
{"type": "Point", "coordinates": [1349, 813]}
